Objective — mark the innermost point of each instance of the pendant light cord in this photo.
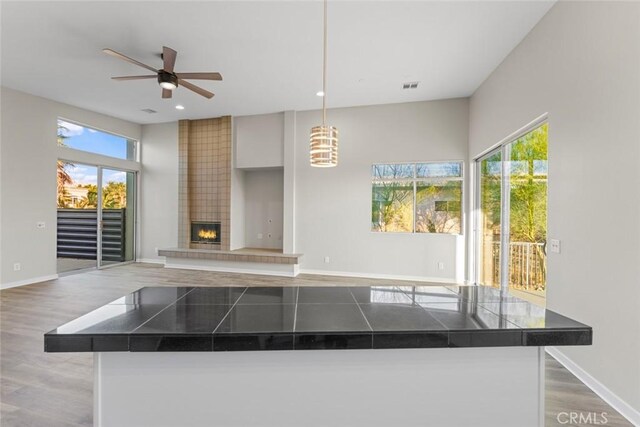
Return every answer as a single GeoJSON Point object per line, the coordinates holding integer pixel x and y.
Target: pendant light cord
{"type": "Point", "coordinates": [324, 68]}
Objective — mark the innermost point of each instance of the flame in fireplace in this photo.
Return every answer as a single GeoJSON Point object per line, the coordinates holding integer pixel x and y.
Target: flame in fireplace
{"type": "Point", "coordinates": [207, 234]}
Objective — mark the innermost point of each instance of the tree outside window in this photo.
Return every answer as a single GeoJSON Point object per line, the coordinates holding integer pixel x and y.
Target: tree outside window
{"type": "Point", "coordinates": [417, 198]}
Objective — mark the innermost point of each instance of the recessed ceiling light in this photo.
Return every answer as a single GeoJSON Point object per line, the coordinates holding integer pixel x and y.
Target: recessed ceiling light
{"type": "Point", "coordinates": [179, 107]}
{"type": "Point", "coordinates": [320, 93]}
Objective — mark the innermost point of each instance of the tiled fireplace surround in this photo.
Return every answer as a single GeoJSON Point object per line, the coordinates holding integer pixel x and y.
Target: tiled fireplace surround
{"type": "Point", "coordinates": [204, 174]}
{"type": "Point", "coordinates": [204, 151]}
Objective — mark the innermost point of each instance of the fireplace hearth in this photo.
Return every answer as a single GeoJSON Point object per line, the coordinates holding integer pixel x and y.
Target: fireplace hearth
{"type": "Point", "coordinates": [205, 232]}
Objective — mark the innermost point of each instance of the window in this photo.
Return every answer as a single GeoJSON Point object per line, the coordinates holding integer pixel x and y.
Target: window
{"type": "Point", "coordinates": [417, 198]}
{"type": "Point", "coordinates": [94, 141]}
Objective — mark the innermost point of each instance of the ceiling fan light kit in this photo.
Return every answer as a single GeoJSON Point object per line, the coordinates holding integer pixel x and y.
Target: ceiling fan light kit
{"type": "Point", "coordinates": [167, 78]}
{"type": "Point", "coordinates": [323, 140]}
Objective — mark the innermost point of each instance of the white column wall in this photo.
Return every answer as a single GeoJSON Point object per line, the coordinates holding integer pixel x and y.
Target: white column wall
{"type": "Point", "coordinates": [158, 195]}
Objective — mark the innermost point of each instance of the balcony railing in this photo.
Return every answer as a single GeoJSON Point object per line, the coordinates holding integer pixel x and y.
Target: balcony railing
{"type": "Point", "coordinates": [527, 265]}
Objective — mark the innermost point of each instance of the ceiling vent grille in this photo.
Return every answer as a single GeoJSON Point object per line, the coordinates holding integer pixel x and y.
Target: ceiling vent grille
{"type": "Point", "coordinates": [410, 85]}
{"type": "Point", "coordinates": [149, 110]}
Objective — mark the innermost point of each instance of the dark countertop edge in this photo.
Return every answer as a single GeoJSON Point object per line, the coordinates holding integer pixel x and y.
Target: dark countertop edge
{"type": "Point", "coordinates": [267, 341]}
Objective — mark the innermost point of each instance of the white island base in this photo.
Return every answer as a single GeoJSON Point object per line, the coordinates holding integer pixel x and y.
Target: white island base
{"type": "Point", "coordinates": [457, 387]}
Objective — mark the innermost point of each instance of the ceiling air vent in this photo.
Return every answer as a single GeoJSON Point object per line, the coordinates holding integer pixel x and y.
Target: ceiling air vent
{"type": "Point", "coordinates": [410, 85]}
{"type": "Point", "coordinates": [149, 110]}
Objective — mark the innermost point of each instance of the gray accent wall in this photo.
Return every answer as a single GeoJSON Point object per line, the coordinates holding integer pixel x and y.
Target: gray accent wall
{"type": "Point", "coordinates": [581, 66]}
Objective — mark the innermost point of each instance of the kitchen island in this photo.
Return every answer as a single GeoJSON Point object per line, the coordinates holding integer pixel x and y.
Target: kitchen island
{"type": "Point", "coordinates": [318, 356]}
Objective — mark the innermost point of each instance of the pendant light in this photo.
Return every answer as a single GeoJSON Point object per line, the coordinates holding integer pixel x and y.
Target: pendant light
{"type": "Point", "coordinates": [323, 142]}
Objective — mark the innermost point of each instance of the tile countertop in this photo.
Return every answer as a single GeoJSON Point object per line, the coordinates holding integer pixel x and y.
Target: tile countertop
{"type": "Point", "coordinates": [314, 318]}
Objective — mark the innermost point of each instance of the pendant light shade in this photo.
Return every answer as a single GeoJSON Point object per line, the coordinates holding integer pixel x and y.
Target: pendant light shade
{"type": "Point", "coordinates": [323, 146]}
{"type": "Point", "coordinates": [323, 142]}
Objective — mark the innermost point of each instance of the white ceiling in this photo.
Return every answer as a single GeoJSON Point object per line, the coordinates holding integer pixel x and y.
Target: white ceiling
{"type": "Point", "coordinates": [269, 52]}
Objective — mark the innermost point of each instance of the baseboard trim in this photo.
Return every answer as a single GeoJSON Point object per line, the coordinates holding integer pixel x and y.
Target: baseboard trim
{"type": "Point", "coordinates": [626, 410]}
{"type": "Point", "coordinates": [28, 281]}
{"type": "Point", "coordinates": [150, 260]}
{"type": "Point", "coordinates": [380, 276]}
{"type": "Point", "coordinates": [220, 269]}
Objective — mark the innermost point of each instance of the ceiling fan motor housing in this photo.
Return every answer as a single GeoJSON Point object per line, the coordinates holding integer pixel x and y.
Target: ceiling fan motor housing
{"type": "Point", "coordinates": [167, 80]}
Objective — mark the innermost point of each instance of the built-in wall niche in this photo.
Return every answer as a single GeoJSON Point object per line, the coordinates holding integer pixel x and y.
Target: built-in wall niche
{"type": "Point", "coordinates": [264, 206]}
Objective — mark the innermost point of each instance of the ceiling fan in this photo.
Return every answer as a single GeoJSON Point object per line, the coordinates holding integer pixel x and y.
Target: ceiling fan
{"type": "Point", "coordinates": [167, 77]}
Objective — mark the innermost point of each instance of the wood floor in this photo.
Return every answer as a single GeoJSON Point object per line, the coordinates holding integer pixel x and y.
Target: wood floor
{"type": "Point", "coordinates": [55, 390]}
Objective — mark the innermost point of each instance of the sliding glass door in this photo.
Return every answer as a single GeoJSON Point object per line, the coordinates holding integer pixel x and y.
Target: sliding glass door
{"type": "Point", "coordinates": [489, 230]}
{"type": "Point", "coordinates": [116, 216]}
{"type": "Point", "coordinates": [96, 216]}
{"type": "Point", "coordinates": [512, 215]}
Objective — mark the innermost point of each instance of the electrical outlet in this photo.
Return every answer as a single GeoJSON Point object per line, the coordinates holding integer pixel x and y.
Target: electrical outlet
{"type": "Point", "coordinates": [554, 245]}
{"type": "Point", "coordinates": [17, 266]}
{"type": "Point", "coordinates": [440, 265]}
{"type": "Point", "coordinates": [40, 224]}
{"type": "Point", "coordinates": [326, 260]}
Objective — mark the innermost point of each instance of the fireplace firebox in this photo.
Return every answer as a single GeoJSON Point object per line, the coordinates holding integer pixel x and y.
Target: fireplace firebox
{"type": "Point", "coordinates": [205, 232]}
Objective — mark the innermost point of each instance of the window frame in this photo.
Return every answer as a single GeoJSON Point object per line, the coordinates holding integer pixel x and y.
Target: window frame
{"type": "Point", "coordinates": [414, 180]}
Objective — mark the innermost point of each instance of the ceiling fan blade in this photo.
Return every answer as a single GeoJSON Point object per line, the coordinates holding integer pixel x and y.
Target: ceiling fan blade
{"type": "Point", "coordinates": [195, 88]}
{"type": "Point", "coordinates": [126, 58]}
{"type": "Point", "coordinates": [134, 77]}
{"type": "Point", "coordinates": [200, 76]}
{"type": "Point", "coordinates": [166, 93]}
{"type": "Point", "coordinates": [169, 58]}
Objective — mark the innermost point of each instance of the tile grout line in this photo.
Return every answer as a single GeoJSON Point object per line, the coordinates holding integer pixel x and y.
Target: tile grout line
{"type": "Point", "coordinates": [226, 315]}
{"type": "Point", "coordinates": [448, 330]}
{"type": "Point", "coordinates": [158, 313]}
{"type": "Point", "coordinates": [295, 312]}
{"type": "Point", "coordinates": [500, 316]}
{"type": "Point", "coordinates": [362, 312]}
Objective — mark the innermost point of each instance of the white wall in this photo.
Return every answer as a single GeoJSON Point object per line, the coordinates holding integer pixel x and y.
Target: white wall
{"type": "Point", "coordinates": [264, 194]}
{"type": "Point", "coordinates": [259, 140]}
{"type": "Point", "coordinates": [333, 206]}
{"type": "Point", "coordinates": [581, 64]}
{"type": "Point", "coordinates": [289, 175]}
{"type": "Point", "coordinates": [158, 190]}
{"type": "Point", "coordinates": [28, 179]}
{"type": "Point", "coordinates": [237, 231]}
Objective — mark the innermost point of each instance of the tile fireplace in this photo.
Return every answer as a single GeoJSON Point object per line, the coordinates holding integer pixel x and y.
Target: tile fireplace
{"type": "Point", "coordinates": [204, 183]}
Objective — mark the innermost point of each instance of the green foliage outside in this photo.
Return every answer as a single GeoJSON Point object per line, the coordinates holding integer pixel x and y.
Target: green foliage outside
{"type": "Point", "coordinates": [392, 207]}
{"type": "Point", "coordinates": [528, 221]}
{"type": "Point", "coordinates": [63, 177]}
{"type": "Point", "coordinates": [527, 170]}
{"type": "Point", "coordinates": [528, 192]}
